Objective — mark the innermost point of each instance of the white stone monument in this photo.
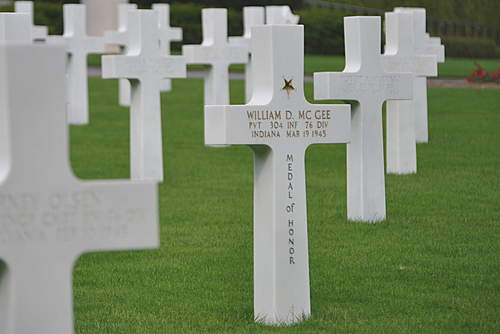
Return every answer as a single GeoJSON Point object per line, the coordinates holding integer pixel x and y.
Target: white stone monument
{"type": "Point", "coordinates": [145, 66]}
{"type": "Point", "coordinates": [168, 35]}
{"type": "Point", "coordinates": [424, 45]}
{"type": "Point", "coordinates": [252, 16]}
{"type": "Point", "coordinates": [26, 7]}
{"type": "Point", "coordinates": [79, 46]}
{"type": "Point", "coordinates": [401, 56]}
{"type": "Point", "coordinates": [216, 52]}
{"type": "Point", "coordinates": [281, 15]}
{"type": "Point", "coordinates": [15, 28]}
{"type": "Point", "coordinates": [121, 37]}
{"type": "Point", "coordinates": [279, 124]}
{"type": "Point", "coordinates": [102, 15]}
{"type": "Point", "coordinates": [365, 81]}
{"type": "Point", "coordinates": [48, 218]}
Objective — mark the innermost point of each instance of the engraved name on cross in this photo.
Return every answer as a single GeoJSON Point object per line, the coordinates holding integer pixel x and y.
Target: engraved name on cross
{"type": "Point", "coordinates": [48, 217]}
{"type": "Point", "coordinates": [145, 66]}
{"type": "Point", "coordinates": [364, 81]}
{"type": "Point", "coordinates": [216, 52]}
{"type": "Point", "coordinates": [279, 125]}
{"type": "Point", "coordinates": [400, 55]}
{"type": "Point", "coordinates": [252, 16]}
{"type": "Point", "coordinates": [121, 37]}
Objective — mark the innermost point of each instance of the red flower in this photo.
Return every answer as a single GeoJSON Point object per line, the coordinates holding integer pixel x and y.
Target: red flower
{"type": "Point", "coordinates": [481, 75]}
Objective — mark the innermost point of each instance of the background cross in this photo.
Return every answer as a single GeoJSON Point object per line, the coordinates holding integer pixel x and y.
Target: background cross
{"type": "Point", "coordinates": [216, 52]}
{"type": "Point", "coordinates": [26, 7]}
{"type": "Point", "coordinates": [252, 16]}
{"type": "Point", "coordinates": [121, 37]}
{"type": "Point", "coordinates": [401, 55]}
{"type": "Point", "coordinates": [424, 45]}
{"type": "Point", "coordinates": [168, 35]}
{"type": "Point", "coordinates": [145, 66]}
{"type": "Point", "coordinates": [79, 46]}
{"type": "Point", "coordinates": [365, 81]}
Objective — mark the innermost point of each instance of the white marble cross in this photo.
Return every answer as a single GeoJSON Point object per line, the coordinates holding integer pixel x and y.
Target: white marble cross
{"type": "Point", "coordinates": [15, 27]}
{"type": "Point", "coordinates": [168, 35]}
{"type": "Point", "coordinates": [145, 66]}
{"type": "Point", "coordinates": [216, 52]}
{"type": "Point", "coordinates": [252, 16]}
{"type": "Point", "coordinates": [365, 81]}
{"type": "Point", "coordinates": [79, 46]}
{"type": "Point", "coordinates": [48, 217]}
{"type": "Point", "coordinates": [26, 7]}
{"type": "Point", "coordinates": [279, 125]}
{"type": "Point", "coordinates": [424, 45]}
{"type": "Point", "coordinates": [401, 56]}
{"type": "Point", "coordinates": [281, 15]}
{"type": "Point", "coordinates": [121, 37]}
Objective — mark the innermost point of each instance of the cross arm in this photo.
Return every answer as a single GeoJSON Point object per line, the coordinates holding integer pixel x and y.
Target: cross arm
{"type": "Point", "coordinates": [195, 53]}
{"type": "Point", "coordinates": [176, 34]}
{"type": "Point", "coordinates": [359, 87]}
{"type": "Point", "coordinates": [126, 213]}
{"type": "Point", "coordinates": [240, 41]}
{"type": "Point", "coordinates": [419, 65]}
{"type": "Point", "coordinates": [333, 85]}
{"type": "Point", "coordinates": [204, 54]}
{"type": "Point", "coordinates": [40, 32]}
{"type": "Point", "coordinates": [96, 44]}
{"type": "Point", "coordinates": [135, 67]}
{"type": "Point", "coordinates": [426, 65]}
{"type": "Point", "coordinates": [435, 49]}
{"type": "Point", "coordinates": [116, 37]}
{"type": "Point", "coordinates": [266, 125]}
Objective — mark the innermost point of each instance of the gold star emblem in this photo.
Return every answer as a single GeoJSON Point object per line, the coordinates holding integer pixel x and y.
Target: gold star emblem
{"type": "Point", "coordinates": [288, 86]}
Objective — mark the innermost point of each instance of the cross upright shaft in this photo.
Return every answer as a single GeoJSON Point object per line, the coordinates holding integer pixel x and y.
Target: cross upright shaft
{"type": "Point", "coordinates": [278, 124]}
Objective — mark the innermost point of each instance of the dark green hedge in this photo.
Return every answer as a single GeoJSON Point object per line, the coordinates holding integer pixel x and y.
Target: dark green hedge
{"type": "Point", "coordinates": [470, 47]}
{"type": "Point", "coordinates": [484, 12]}
{"type": "Point", "coordinates": [324, 32]}
{"type": "Point", "coordinates": [234, 4]}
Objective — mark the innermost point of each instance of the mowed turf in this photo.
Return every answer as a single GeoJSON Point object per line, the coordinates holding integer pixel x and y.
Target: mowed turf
{"type": "Point", "coordinates": [432, 267]}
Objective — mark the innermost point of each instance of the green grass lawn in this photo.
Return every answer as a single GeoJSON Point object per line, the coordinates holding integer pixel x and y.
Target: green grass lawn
{"type": "Point", "coordinates": [451, 68]}
{"type": "Point", "coordinates": [432, 267]}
